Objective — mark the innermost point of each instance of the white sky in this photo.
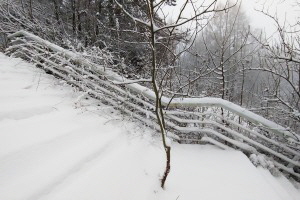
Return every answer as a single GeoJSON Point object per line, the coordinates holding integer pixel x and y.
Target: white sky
{"type": "Point", "coordinates": [285, 9]}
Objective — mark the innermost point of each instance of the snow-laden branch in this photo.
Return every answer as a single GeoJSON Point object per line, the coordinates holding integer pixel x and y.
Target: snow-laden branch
{"type": "Point", "coordinates": [131, 16]}
{"type": "Point", "coordinates": [131, 81]}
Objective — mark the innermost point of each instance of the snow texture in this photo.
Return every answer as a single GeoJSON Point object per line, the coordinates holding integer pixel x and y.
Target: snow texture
{"type": "Point", "coordinates": [57, 145]}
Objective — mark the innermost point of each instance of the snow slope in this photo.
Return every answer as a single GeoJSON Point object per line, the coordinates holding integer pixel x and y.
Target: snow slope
{"type": "Point", "coordinates": [57, 145]}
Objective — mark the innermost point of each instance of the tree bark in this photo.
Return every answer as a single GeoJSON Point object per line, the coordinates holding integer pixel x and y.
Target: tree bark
{"type": "Point", "coordinates": [56, 11]}
{"type": "Point", "coordinates": [30, 10]}
{"type": "Point", "coordinates": [168, 167]}
{"type": "Point", "coordinates": [73, 5]}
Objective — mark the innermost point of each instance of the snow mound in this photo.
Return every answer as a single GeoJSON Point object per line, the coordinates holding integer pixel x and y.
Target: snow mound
{"type": "Point", "coordinates": [57, 145]}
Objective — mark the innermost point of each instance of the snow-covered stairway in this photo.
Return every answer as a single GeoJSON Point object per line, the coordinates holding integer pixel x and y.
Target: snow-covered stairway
{"type": "Point", "coordinates": [57, 145]}
{"type": "Point", "coordinates": [257, 137]}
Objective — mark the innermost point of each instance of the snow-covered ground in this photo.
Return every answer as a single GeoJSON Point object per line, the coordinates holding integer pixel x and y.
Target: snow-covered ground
{"type": "Point", "coordinates": [57, 145]}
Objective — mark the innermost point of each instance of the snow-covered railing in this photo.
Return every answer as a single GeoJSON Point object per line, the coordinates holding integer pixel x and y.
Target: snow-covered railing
{"type": "Point", "coordinates": [193, 120]}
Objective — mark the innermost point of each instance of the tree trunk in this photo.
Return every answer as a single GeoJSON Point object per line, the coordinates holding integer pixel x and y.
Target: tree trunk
{"type": "Point", "coordinates": [158, 104]}
{"type": "Point", "coordinates": [56, 11]}
{"type": "Point", "coordinates": [23, 8]}
{"type": "Point", "coordinates": [168, 166]}
{"type": "Point", "coordinates": [30, 10]}
{"type": "Point", "coordinates": [73, 5]}
{"type": "Point", "coordinates": [110, 7]}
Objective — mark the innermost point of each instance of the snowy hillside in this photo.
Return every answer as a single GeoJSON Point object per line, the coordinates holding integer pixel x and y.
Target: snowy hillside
{"type": "Point", "coordinates": [56, 144]}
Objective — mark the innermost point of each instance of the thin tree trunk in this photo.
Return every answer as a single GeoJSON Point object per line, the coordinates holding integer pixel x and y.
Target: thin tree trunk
{"type": "Point", "coordinates": [73, 5]}
{"type": "Point", "coordinates": [110, 7]}
{"type": "Point", "coordinates": [223, 76]}
{"type": "Point", "coordinates": [23, 8]}
{"type": "Point", "coordinates": [299, 80]}
{"type": "Point", "coordinates": [242, 92]}
{"type": "Point", "coordinates": [168, 167]}
{"type": "Point", "coordinates": [30, 10]}
{"type": "Point", "coordinates": [56, 11]}
{"type": "Point", "coordinates": [242, 88]}
{"type": "Point", "coordinates": [158, 105]}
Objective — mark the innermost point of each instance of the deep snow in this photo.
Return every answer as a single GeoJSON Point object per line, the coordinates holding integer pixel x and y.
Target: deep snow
{"type": "Point", "coordinates": [57, 145]}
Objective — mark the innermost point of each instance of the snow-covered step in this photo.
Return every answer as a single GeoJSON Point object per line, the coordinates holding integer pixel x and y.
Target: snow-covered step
{"type": "Point", "coordinates": [78, 151]}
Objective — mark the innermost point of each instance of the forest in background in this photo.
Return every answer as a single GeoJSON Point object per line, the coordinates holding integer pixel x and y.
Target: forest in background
{"type": "Point", "coordinates": [220, 55]}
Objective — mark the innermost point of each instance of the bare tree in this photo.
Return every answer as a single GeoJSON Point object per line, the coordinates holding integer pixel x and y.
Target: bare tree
{"type": "Point", "coordinates": [281, 64]}
{"type": "Point", "coordinates": [160, 69]}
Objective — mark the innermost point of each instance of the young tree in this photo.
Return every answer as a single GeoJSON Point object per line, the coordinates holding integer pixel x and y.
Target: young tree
{"type": "Point", "coordinates": [158, 46]}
